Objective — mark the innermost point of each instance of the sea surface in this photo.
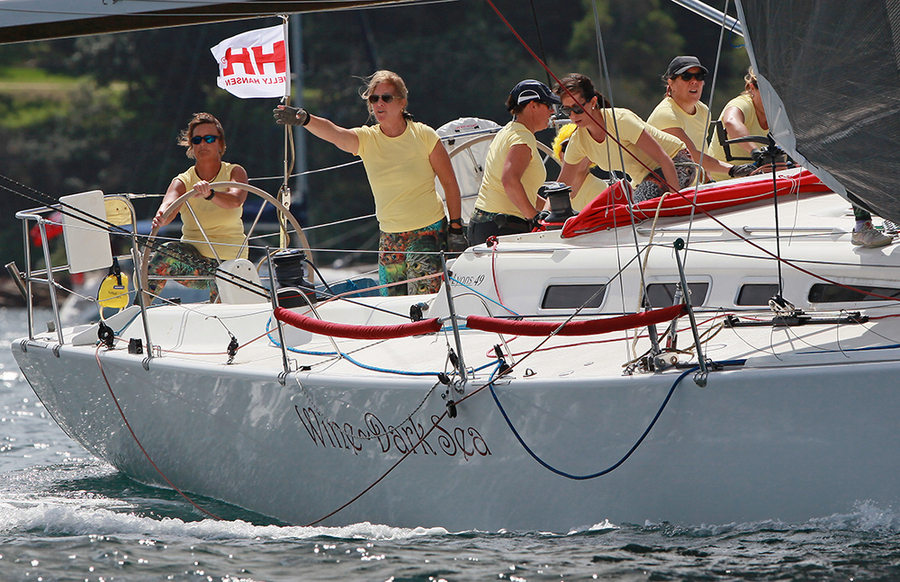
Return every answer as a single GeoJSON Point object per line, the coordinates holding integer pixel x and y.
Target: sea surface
{"type": "Point", "coordinates": [64, 515]}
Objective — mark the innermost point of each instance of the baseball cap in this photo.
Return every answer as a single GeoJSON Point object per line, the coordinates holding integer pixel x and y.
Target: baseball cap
{"type": "Point", "coordinates": [682, 64]}
{"type": "Point", "coordinates": [531, 90]}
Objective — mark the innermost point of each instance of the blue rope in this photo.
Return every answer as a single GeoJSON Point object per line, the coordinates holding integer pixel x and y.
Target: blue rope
{"type": "Point", "coordinates": [607, 470]}
{"type": "Point", "coordinates": [483, 296]}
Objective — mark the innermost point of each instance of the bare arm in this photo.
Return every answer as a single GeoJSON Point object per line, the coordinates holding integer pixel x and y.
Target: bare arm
{"type": "Point", "coordinates": [517, 160]}
{"type": "Point", "coordinates": [573, 175]}
{"type": "Point", "coordinates": [710, 164]}
{"type": "Point", "coordinates": [232, 197]}
{"type": "Point", "coordinates": [443, 169]}
{"type": "Point", "coordinates": [652, 148]}
{"type": "Point", "coordinates": [733, 120]}
{"type": "Point", "coordinates": [342, 137]}
{"type": "Point", "coordinates": [229, 198]}
{"type": "Point", "coordinates": [175, 191]}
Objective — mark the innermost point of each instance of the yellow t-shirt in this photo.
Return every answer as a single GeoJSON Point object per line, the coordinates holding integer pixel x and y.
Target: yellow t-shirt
{"type": "Point", "coordinates": [590, 189]}
{"type": "Point", "coordinates": [401, 177]}
{"type": "Point", "coordinates": [668, 114]}
{"type": "Point", "coordinates": [492, 196]}
{"type": "Point", "coordinates": [627, 128]}
{"type": "Point", "coordinates": [221, 225]}
{"type": "Point", "coordinates": [745, 103]}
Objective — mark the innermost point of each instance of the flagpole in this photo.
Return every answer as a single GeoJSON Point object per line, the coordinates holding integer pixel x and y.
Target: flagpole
{"type": "Point", "coordinates": [285, 192]}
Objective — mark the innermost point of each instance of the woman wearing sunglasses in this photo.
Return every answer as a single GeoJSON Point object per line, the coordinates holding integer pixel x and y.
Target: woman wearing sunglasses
{"type": "Point", "coordinates": [645, 146]}
{"type": "Point", "coordinates": [402, 158]}
{"type": "Point", "coordinates": [213, 213]}
{"type": "Point", "coordinates": [743, 115]}
{"type": "Point", "coordinates": [682, 114]}
{"type": "Point", "coordinates": [513, 171]}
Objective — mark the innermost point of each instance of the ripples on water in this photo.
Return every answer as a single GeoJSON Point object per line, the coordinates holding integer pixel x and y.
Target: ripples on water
{"type": "Point", "coordinates": [66, 516]}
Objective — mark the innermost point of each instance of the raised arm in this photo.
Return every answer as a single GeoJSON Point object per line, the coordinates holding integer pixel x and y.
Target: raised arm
{"type": "Point", "coordinates": [320, 127]}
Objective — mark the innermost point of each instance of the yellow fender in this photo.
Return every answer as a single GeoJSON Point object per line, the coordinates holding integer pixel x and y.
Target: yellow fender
{"type": "Point", "coordinates": [113, 291]}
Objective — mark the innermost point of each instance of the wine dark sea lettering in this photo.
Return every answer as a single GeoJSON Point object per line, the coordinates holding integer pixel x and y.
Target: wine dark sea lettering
{"type": "Point", "coordinates": [66, 516]}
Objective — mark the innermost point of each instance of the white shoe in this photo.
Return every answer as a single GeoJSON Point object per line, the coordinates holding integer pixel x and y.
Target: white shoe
{"type": "Point", "coordinates": [869, 237]}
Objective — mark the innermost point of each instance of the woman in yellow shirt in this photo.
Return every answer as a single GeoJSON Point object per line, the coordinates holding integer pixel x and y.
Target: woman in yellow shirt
{"type": "Point", "coordinates": [682, 114]}
{"type": "Point", "coordinates": [402, 158]}
{"type": "Point", "coordinates": [513, 171]}
{"type": "Point", "coordinates": [645, 146]}
{"type": "Point", "coordinates": [215, 213]}
{"type": "Point", "coordinates": [742, 116]}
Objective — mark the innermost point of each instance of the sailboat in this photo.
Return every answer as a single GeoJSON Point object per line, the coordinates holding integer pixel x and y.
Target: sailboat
{"type": "Point", "coordinates": [687, 361]}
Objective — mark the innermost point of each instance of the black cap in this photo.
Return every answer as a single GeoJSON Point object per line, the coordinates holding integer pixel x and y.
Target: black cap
{"type": "Point", "coordinates": [531, 90]}
{"type": "Point", "coordinates": [682, 64]}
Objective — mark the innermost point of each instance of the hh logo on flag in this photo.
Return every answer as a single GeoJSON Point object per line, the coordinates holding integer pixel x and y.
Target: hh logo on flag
{"type": "Point", "coordinates": [253, 64]}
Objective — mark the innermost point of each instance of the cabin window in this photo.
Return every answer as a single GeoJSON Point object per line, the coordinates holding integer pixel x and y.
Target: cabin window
{"type": "Point", "coordinates": [828, 293]}
{"type": "Point", "coordinates": [573, 296]}
{"type": "Point", "coordinates": [756, 293]}
{"type": "Point", "coordinates": [663, 294]}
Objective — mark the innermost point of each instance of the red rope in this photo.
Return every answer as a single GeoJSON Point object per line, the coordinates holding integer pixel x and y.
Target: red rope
{"type": "Point", "coordinates": [589, 327]}
{"type": "Point", "coordinates": [366, 332]}
{"type": "Point", "coordinates": [136, 440]}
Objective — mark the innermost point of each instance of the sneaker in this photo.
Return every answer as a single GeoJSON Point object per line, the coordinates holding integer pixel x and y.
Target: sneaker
{"type": "Point", "coordinates": [890, 227]}
{"type": "Point", "coordinates": [869, 237]}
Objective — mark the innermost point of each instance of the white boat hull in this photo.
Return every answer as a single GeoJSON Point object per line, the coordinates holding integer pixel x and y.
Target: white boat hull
{"type": "Point", "coordinates": [788, 443]}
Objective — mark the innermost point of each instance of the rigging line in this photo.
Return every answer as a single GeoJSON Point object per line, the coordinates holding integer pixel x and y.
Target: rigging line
{"type": "Point", "coordinates": [138, 442]}
{"type": "Point", "coordinates": [768, 252]}
{"type": "Point", "coordinates": [604, 74]}
{"type": "Point", "coordinates": [612, 467]}
{"type": "Point", "coordinates": [537, 27]}
{"type": "Point", "coordinates": [89, 219]}
{"type": "Point", "coordinates": [712, 92]}
{"type": "Point", "coordinates": [443, 415]}
{"type": "Point", "coordinates": [777, 225]}
{"type": "Point", "coordinates": [483, 296]}
{"type": "Point", "coordinates": [412, 449]}
{"type": "Point", "coordinates": [307, 172]}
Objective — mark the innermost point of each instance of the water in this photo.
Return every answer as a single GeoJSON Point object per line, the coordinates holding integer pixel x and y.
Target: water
{"type": "Point", "coordinates": [66, 516]}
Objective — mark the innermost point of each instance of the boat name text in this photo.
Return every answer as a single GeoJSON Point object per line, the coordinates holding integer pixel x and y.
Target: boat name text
{"type": "Point", "coordinates": [408, 436]}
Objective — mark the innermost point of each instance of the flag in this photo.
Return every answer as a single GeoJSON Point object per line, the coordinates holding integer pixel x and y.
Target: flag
{"type": "Point", "coordinates": [254, 63]}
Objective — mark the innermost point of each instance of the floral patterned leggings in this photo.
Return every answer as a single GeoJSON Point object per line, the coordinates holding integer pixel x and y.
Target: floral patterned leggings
{"type": "Point", "coordinates": [411, 254]}
{"type": "Point", "coordinates": [180, 259]}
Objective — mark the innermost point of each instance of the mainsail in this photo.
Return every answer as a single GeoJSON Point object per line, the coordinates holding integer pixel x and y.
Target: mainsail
{"type": "Point", "coordinates": [28, 20]}
{"type": "Point", "coordinates": [829, 73]}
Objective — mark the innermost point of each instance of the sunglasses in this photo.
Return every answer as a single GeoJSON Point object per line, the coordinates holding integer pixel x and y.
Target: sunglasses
{"type": "Point", "coordinates": [387, 98]}
{"type": "Point", "coordinates": [688, 76]}
{"type": "Point", "coordinates": [567, 111]}
{"type": "Point", "coordinates": [207, 138]}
